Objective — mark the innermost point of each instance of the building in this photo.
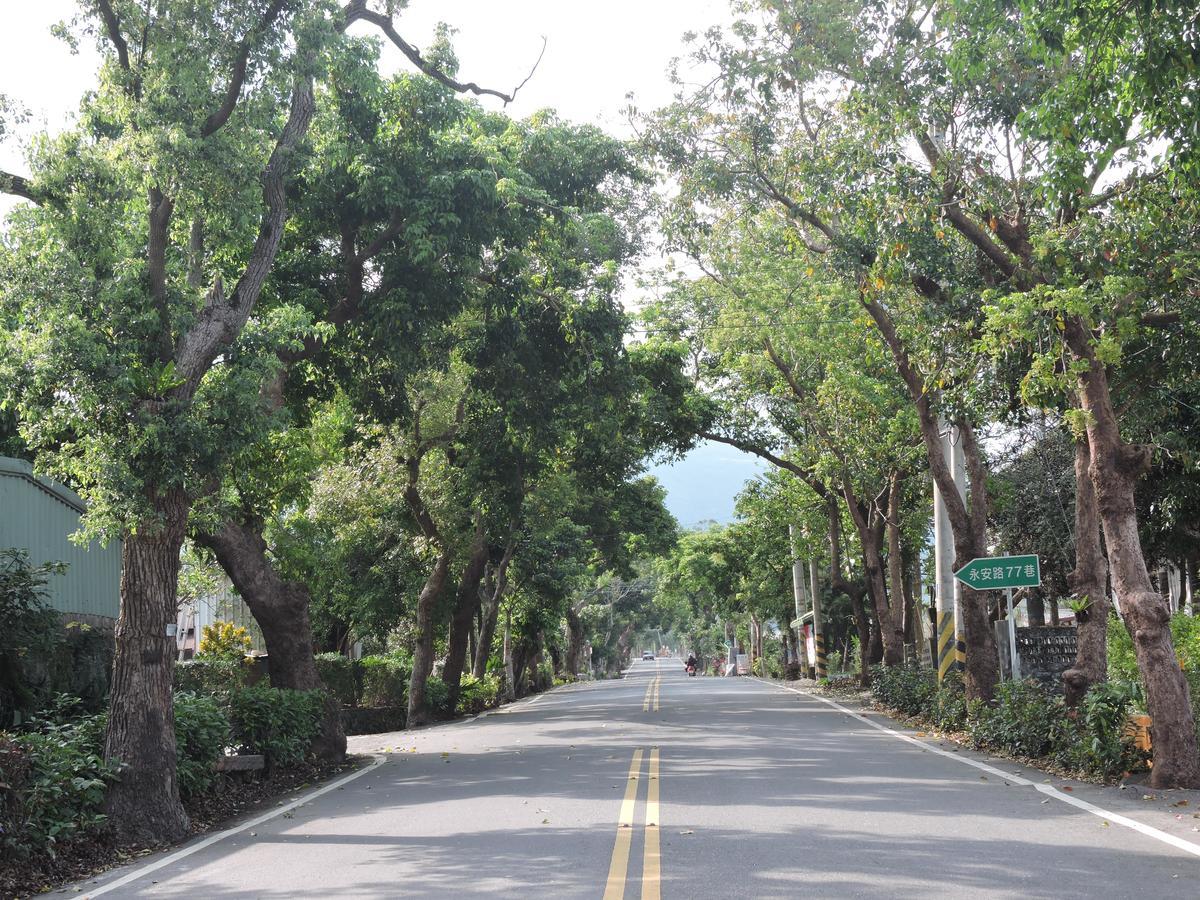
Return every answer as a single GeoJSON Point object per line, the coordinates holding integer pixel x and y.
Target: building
{"type": "Point", "coordinates": [40, 515]}
{"type": "Point", "coordinates": [220, 603]}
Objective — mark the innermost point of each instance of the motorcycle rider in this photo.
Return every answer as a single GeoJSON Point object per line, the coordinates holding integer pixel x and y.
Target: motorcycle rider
{"type": "Point", "coordinates": [691, 662]}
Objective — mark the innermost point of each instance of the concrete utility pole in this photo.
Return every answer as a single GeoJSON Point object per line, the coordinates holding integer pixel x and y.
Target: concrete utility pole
{"type": "Point", "coordinates": [920, 621]}
{"type": "Point", "coordinates": [948, 597]}
{"type": "Point", "coordinates": [959, 469]}
{"type": "Point", "coordinates": [798, 595]}
{"type": "Point", "coordinates": [818, 620]}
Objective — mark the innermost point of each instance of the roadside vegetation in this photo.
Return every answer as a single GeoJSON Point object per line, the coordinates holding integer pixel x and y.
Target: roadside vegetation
{"type": "Point", "coordinates": [357, 348]}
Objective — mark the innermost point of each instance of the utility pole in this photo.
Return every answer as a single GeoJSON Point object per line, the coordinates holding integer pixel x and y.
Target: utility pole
{"type": "Point", "coordinates": [798, 591]}
{"type": "Point", "coordinates": [818, 620]}
{"type": "Point", "coordinates": [959, 470]}
{"type": "Point", "coordinates": [919, 619]}
{"type": "Point", "coordinates": [947, 591]}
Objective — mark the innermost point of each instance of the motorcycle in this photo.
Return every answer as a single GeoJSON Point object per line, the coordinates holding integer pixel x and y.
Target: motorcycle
{"type": "Point", "coordinates": [691, 670]}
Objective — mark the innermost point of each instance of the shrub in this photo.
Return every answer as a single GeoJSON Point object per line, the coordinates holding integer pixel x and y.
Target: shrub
{"type": "Point", "coordinates": [903, 689]}
{"type": "Point", "coordinates": [202, 732]}
{"type": "Point", "coordinates": [279, 724]}
{"type": "Point", "coordinates": [213, 675]}
{"type": "Point", "coordinates": [28, 633]}
{"type": "Point", "coordinates": [82, 664]}
{"type": "Point", "coordinates": [56, 778]}
{"type": "Point", "coordinates": [545, 677]}
{"type": "Point", "coordinates": [1105, 745]}
{"type": "Point", "coordinates": [1122, 661]}
{"type": "Point", "coordinates": [225, 640]}
{"type": "Point", "coordinates": [384, 681]}
{"type": "Point", "coordinates": [437, 697]}
{"type": "Point", "coordinates": [1193, 679]}
{"type": "Point", "coordinates": [340, 676]}
{"type": "Point", "coordinates": [948, 704]}
{"type": "Point", "coordinates": [793, 671]}
{"type": "Point", "coordinates": [477, 694]}
{"type": "Point", "coordinates": [1025, 721]}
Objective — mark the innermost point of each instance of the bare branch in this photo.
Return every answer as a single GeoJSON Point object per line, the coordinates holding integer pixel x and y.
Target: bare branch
{"type": "Point", "coordinates": [963, 223]}
{"type": "Point", "coordinates": [785, 370]}
{"type": "Point", "coordinates": [113, 26]}
{"type": "Point", "coordinates": [763, 453]}
{"type": "Point", "coordinates": [1160, 319]}
{"type": "Point", "coordinates": [975, 233]}
{"type": "Point", "coordinates": [390, 231]}
{"type": "Point", "coordinates": [219, 321]}
{"type": "Point", "coordinates": [1123, 187]}
{"type": "Point", "coordinates": [18, 186]}
{"type": "Point", "coordinates": [358, 10]}
{"type": "Point", "coordinates": [238, 77]}
{"type": "Point", "coordinates": [160, 210]}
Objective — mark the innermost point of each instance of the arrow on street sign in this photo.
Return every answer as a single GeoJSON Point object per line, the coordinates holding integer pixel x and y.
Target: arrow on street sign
{"type": "Point", "coordinates": [989, 573]}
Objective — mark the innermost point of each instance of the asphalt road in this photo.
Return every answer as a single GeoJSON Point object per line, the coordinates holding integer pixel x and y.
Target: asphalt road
{"type": "Point", "coordinates": [664, 785]}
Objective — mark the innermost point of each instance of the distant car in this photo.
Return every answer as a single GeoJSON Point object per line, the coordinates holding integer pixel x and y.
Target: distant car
{"type": "Point", "coordinates": [646, 654]}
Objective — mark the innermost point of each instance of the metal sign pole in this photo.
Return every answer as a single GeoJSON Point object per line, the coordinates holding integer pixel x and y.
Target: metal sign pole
{"type": "Point", "coordinates": [1012, 638]}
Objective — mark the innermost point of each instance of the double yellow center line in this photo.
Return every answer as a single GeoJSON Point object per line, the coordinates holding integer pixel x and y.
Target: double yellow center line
{"type": "Point", "coordinates": [650, 701]}
{"type": "Point", "coordinates": [651, 856]}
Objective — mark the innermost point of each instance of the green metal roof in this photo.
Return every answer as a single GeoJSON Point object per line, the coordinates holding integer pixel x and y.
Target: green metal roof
{"type": "Point", "coordinates": [39, 515]}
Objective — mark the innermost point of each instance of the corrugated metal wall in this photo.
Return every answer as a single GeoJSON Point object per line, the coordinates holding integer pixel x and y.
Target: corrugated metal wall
{"type": "Point", "coordinates": [39, 515]}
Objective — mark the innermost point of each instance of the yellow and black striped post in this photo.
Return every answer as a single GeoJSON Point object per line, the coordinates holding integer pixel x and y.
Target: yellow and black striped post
{"type": "Point", "coordinates": [819, 643]}
{"type": "Point", "coordinates": [947, 644]}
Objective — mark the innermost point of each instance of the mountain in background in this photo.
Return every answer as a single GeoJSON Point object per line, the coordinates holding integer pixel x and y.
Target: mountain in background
{"type": "Point", "coordinates": [701, 486]}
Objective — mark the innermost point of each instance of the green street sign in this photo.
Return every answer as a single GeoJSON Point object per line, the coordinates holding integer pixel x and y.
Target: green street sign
{"type": "Point", "coordinates": [989, 573]}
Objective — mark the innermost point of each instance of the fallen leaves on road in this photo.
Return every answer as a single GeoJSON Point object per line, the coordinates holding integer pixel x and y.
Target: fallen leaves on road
{"type": "Point", "coordinates": [1180, 803]}
{"type": "Point", "coordinates": [689, 831]}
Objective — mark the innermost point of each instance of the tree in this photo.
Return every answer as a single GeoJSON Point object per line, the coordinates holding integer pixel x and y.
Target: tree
{"type": "Point", "coordinates": [134, 368]}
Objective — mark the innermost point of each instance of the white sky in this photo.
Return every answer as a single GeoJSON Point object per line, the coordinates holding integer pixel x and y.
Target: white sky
{"type": "Point", "coordinates": [596, 53]}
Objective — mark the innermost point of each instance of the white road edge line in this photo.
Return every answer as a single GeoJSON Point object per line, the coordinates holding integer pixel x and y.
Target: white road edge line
{"type": "Point", "coordinates": [1047, 789]}
{"type": "Point", "coordinates": [187, 851]}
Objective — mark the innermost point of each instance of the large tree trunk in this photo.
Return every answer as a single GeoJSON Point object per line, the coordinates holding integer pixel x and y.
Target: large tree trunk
{"type": "Point", "coordinates": [574, 639]}
{"type": "Point", "coordinates": [968, 523]}
{"type": "Point", "coordinates": [427, 603]}
{"type": "Point", "coordinates": [982, 670]}
{"type": "Point", "coordinates": [870, 527]}
{"type": "Point", "coordinates": [143, 805]}
{"type": "Point", "coordinates": [510, 683]}
{"type": "Point", "coordinates": [1115, 467]}
{"type": "Point", "coordinates": [487, 634]}
{"type": "Point", "coordinates": [497, 584]}
{"type": "Point", "coordinates": [280, 608]}
{"type": "Point", "coordinates": [855, 591]}
{"type": "Point", "coordinates": [466, 602]}
{"type": "Point", "coordinates": [1035, 605]}
{"type": "Point", "coordinates": [1089, 581]}
{"type": "Point", "coordinates": [901, 599]}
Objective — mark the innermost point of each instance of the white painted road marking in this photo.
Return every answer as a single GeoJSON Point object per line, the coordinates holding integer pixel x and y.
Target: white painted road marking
{"type": "Point", "coordinates": [187, 851]}
{"type": "Point", "coordinates": [1047, 789]}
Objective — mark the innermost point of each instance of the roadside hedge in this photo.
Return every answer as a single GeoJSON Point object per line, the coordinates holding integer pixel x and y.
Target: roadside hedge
{"type": "Point", "coordinates": [340, 676]}
{"type": "Point", "coordinates": [212, 675]}
{"type": "Point", "coordinates": [55, 777]}
{"type": "Point", "coordinates": [202, 732]}
{"type": "Point", "coordinates": [384, 681]}
{"type": "Point", "coordinates": [477, 694]}
{"type": "Point", "coordinates": [1025, 720]}
{"type": "Point", "coordinates": [279, 724]}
